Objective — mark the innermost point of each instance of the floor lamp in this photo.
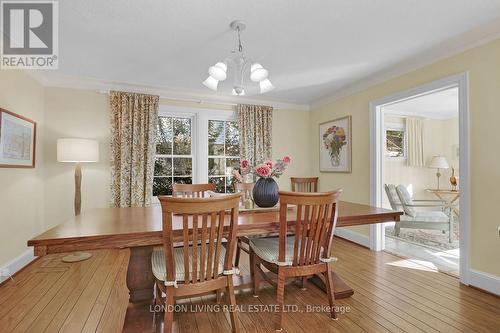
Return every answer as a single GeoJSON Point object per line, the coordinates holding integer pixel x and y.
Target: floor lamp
{"type": "Point", "coordinates": [77, 151]}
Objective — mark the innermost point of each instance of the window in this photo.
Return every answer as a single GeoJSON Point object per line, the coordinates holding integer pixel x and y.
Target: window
{"type": "Point", "coordinates": [223, 153]}
{"type": "Point", "coordinates": [174, 154]}
{"type": "Point", "coordinates": [395, 138]}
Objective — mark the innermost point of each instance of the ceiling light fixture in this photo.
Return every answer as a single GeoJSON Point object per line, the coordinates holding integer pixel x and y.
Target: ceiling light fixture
{"type": "Point", "coordinates": [241, 66]}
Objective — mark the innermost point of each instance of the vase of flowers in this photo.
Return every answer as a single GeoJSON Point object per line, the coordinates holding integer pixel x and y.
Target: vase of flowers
{"type": "Point", "coordinates": [265, 191]}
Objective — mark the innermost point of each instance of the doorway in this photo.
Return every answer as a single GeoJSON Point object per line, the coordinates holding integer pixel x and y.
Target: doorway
{"type": "Point", "coordinates": [417, 135]}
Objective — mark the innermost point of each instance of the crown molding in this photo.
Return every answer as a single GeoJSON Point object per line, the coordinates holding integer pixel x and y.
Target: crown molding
{"type": "Point", "coordinates": [59, 81]}
{"type": "Point", "coordinates": [453, 46]}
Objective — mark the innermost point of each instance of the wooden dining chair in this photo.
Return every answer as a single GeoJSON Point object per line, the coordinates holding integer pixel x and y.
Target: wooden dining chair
{"type": "Point", "coordinates": [192, 190]}
{"type": "Point", "coordinates": [304, 184]}
{"type": "Point", "coordinates": [246, 190]}
{"type": "Point", "coordinates": [202, 264]}
{"type": "Point", "coordinates": [307, 252]}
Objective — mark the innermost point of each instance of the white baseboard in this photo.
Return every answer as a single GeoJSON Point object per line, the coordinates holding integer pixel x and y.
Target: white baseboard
{"type": "Point", "coordinates": [353, 236]}
{"type": "Point", "coordinates": [16, 264]}
{"type": "Point", "coordinates": [485, 281]}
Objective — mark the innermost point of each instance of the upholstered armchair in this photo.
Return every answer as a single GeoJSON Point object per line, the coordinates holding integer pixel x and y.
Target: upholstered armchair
{"type": "Point", "coordinates": [439, 218]}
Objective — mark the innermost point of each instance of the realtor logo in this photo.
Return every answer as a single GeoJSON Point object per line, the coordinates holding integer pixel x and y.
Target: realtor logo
{"type": "Point", "coordinates": [29, 35]}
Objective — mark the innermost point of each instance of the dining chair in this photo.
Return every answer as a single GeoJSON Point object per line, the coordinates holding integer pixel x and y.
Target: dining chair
{"type": "Point", "coordinates": [202, 264]}
{"type": "Point", "coordinates": [307, 252]}
{"type": "Point", "coordinates": [304, 184]}
{"type": "Point", "coordinates": [192, 190]}
{"type": "Point", "coordinates": [246, 190]}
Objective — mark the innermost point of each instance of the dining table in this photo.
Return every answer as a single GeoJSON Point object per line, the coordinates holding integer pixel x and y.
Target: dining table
{"type": "Point", "coordinates": [140, 230]}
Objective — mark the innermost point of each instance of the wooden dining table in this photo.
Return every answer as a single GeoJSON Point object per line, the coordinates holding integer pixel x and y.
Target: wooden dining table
{"type": "Point", "coordinates": [140, 230]}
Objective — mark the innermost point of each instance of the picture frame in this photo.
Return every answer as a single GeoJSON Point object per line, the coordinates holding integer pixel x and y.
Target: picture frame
{"type": "Point", "coordinates": [17, 140]}
{"type": "Point", "coordinates": [335, 145]}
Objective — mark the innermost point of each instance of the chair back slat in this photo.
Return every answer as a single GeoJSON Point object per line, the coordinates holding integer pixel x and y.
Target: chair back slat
{"type": "Point", "coordinates": [315, 220]}
{"type": "Point", "coordinates": [244, 188]}
{"type": "Point", "coordinates": [206, 222]}
{"type": "Point", "coordinates": [304, 184]}
{"type": "Point", "coordinates": [192, 190]}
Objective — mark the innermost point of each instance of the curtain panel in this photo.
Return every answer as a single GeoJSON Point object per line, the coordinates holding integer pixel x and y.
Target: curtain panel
{"type": "Point", "coordinates": [255, 123]}
{"type": "Point", "coordinates": [134, 119]}
{"type": "Point", "coordinates": [415, 142]}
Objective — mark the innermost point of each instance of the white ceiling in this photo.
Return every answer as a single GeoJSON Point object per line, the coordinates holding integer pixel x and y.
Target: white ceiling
{"type": "Point", "coordinates": [438, 105]}
{"type": "Point", "coordinates": [311, 48]}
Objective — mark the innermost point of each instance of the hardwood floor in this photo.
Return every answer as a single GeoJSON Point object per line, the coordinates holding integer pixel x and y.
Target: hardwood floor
{"type": "Point", "coordinates": [391, 295]}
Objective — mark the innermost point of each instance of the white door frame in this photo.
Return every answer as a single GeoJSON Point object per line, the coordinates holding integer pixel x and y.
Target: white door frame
{"type": "Point", "coordinates": [376, 161]}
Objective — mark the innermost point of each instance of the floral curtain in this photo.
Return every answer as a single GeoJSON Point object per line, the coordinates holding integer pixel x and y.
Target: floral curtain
{"type": "Point", "coordinates": [415, 142]}
{"type": "Point", "coordinates": [255, 123]}
{"type": "Point", "coordinates": [133, 131]}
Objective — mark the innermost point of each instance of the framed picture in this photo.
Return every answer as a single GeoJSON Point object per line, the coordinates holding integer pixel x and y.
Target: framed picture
{"type": "Point", "coordinates": [335, 145]}
{"type": "Point", "coordinates": [17, 141]}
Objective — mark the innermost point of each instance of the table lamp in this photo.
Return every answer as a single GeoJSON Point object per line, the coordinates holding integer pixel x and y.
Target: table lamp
{"type": "Point", "coordinates": [77, 151]}
{"type": "Point", "coordinates": [438, 162]}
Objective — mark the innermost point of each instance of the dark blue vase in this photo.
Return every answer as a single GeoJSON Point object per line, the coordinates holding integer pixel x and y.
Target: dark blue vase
{"type": "Point", "coordinates": [265, 192]}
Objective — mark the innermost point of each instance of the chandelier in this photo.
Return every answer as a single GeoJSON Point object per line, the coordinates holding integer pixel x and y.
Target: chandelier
{"type": "Point", "coordinates": [241, 66]}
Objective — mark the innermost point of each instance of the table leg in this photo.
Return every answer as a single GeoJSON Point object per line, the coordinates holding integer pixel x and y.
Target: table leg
{"type": "Point", "coordinates": [140, 279]}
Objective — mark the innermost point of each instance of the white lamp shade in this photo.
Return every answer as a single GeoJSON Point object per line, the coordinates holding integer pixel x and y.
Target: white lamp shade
{"type": "Point", "coordinates": [439, 162]}
{"type": "Point", "coordinates": [211, 83]}
{"type": "Point", "coordinates": [77, 150]}
{"type": "Point", "coordinates": [258, 73]}
{"type": "Point", "coordinates": [218, 71]}
{"type": "Point", "coordinates": [265, 86]}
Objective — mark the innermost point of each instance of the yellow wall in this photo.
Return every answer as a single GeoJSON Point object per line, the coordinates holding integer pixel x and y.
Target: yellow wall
{"type": "Point", "coordinates": [483, 65]}
{"type": "Point", "coordinates": [21, 190]}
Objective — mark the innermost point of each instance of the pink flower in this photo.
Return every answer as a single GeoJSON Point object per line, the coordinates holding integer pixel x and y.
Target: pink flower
{"type": "Point", "coordinates": [244, 164]}
{"type": "Point", "coordinates": [263, 170]}
{"type": "Point", "coordinates": [287, 159]}
{"type": "Point", "coordinates": [269, 163]}
{"type": "Point", "coordinates": [236, 176]}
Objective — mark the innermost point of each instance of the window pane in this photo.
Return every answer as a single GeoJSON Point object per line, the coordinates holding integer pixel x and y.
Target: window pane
{"type": "Point", "coordinates": [164, 140]}
{"type": "Point", "coordinates": [183, 166]}
{"type": "Point", "coordinates": [232, 139]}
{"type": "Point", "coordinates": [182, 136]}
{"type": "Point", "coordinates": [216, 167]}
{"type": "Point", "coordinates": [232, 163]}
{"type": "Point", "coordinates": [163, 166]}
{"type": "Point", "coordinates": [162, 186]}
{"type": "Point", "coordinates": [183, 180]}
{"type": "Point", "coordinates": [219, 182]}
{"type": "Point", "coordinates": [395, 143]}
{"type": "Point", "coordinates": [229, 185]}
{"type": "Point", "coordinates": [215, 137]}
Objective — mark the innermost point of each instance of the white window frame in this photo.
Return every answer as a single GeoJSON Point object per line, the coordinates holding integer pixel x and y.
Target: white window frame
{"type": "Point", "coordinates": [199, 134]}
{"type": "Point", "coordinates": [396, 127]}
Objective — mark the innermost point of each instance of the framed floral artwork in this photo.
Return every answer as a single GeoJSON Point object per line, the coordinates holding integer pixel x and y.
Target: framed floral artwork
{"type": "Point", "coordinates": [17, 141]}
{"type": "Point", "coordinates": [335, 145]}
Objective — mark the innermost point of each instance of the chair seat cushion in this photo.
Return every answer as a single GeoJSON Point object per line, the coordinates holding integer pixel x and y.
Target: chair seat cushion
{"type": "Point", "coordinates": [426, 216]}
{"type": "Point", "coordinates": [268, 248]}
{"type": "Point", "coordinates": [160, 271]}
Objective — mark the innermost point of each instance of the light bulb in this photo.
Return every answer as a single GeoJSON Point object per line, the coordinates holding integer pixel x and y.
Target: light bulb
{"type": "Point", "coordinates": [265, 86]}
{"type": "Point", "coordinates": [211, 83]}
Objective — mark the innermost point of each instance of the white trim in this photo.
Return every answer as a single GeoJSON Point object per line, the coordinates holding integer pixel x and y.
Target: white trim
{"type": "Point", "coordinates": [17, 264]}
{"type": "Point", "coordinates": [168, 93]}
{"type": "Point", "coordinates": [485, 281]}
{"type": "Point", "coordinates": [376, 165]}
{"type": "Point", "coordinates": [353, 236]}
{"type": "Point", "coordinates": [479, 36]}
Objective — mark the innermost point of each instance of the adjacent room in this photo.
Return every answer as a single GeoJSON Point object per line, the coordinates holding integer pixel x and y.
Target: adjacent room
{"type": "Point", "coordinates": [263, 166]}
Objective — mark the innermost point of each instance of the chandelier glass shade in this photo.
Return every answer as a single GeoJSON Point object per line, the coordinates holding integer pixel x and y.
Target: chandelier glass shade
{"type": "Point", "coordinates": [241, 67]}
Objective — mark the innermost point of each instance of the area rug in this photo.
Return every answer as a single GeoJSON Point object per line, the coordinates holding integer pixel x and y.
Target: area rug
{"type": "Point", "coordinates": [434, 239]}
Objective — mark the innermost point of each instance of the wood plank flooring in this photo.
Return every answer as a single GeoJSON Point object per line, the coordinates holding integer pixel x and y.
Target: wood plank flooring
{"type": "Point", "coordinates": [391, 295]}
